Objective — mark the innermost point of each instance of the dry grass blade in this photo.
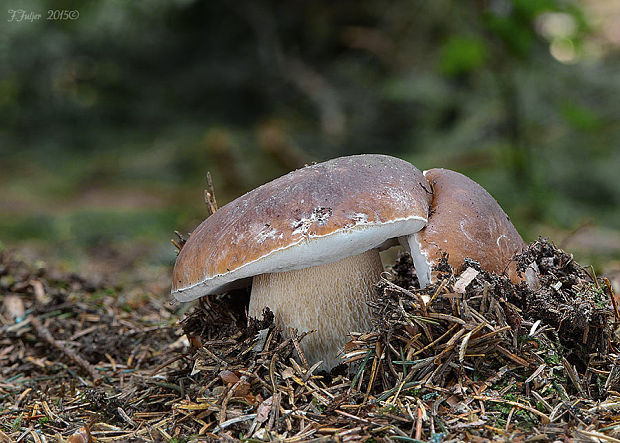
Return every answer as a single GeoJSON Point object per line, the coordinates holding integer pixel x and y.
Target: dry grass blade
{"type": "Point", "coordinates": [572, 374]}
{"type": "Point", "coordinates": [528, 408]}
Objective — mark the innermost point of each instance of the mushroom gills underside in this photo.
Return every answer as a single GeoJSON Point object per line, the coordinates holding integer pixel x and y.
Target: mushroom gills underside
{"type": "Point", "coordinates": [330, 299]}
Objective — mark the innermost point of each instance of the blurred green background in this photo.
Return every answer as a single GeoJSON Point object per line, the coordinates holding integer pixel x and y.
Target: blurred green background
{"type": "Point", "coordinates": [109, 121]}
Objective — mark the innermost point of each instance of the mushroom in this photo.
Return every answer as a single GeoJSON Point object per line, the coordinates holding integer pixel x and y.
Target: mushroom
{"type": "Point", "coordinates": [464, 221]}
{"type": "Point", "coordinates": [309, 241]}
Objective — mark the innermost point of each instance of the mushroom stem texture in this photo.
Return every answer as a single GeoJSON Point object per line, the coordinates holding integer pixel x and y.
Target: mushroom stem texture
{"type": "Point", "coordinates": [329, 299]}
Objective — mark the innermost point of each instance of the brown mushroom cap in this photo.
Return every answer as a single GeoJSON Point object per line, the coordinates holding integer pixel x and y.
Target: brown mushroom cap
{"type": "Point", "coordinates": [465, 221]}
{"type": "Point", "coordinates": [316, 215]}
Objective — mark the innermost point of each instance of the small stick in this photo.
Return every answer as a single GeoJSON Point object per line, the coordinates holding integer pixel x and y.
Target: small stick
{"type": "Point", "coordinates": [167, 363]}
{"type": "Point", "coordinates": [418, 427]}
{"type": "Point", "coordinates": [44, 334]}
{"type": "Point", "coordinates": [205, 350]}
{"type": "Point", "coordinates": [509, 418]}
{"type": "Point", "coordinates": [209, 195]}
{"type": "Point", "coordinates": [614, 302]}
{"type": "Point", "coordinates": [302, 357]}
{"type": "Point", "coordinates": [227, 398]}
{"type": "Point", "coordinates": [182, 240]}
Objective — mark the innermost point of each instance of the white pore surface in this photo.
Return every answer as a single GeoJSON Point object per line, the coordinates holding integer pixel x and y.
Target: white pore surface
{"type": "Point", "coordinates": [309, 251]}
{"type": "Point", "coordinates": [421, 262]}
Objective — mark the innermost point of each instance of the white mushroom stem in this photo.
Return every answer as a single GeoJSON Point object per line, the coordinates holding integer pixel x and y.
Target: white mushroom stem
{"type": "Point", "coordinates": [331, 299]}
{"type": "Point", "coordinates": [421, 262]}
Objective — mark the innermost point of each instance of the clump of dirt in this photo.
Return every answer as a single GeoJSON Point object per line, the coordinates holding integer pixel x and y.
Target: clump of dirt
{"type": "Point", "coordinates": [100, 402]}
{"type": "Point", "coordinates": [513, 345]}
{"type": "Point", "coordinates": [219, 315]}
{"type": "Point", "coordinates": [563, 295]}
{"type": "Point", "coordinates": [557, 291]}
{"type": "Point", "coordinates": [403, 272]}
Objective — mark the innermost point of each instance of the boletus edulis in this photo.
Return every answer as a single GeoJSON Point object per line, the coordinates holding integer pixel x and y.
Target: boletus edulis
{"type": "Point", "coordinates": [309, 241]}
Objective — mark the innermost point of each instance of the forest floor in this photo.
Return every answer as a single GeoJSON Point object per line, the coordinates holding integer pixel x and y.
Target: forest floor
{"type": "Point", "coordinates": [474, 357]}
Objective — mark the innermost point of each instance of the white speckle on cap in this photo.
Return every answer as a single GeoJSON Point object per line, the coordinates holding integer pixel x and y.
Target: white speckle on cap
{"type": "Point", "coordinates": [302, 226]}
{"type": "Point", "coordinates": [400, 197]}
{"type": "Point", "coordinates": [265, 233]}
{"type": "Point", "coordinates": [238, 237]}
{"type": "Point", "coordinates": [360, 218]}
{"type": "Point", "coordinates": [319, 216]}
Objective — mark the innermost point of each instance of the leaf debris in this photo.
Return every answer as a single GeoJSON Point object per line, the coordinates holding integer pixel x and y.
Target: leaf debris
{"type": "Point", "coordinates": [473, 364]}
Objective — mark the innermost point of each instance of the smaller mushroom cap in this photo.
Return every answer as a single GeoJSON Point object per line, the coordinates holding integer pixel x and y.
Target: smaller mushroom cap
{"type": "Point", "coordinates": [313, 216]}
{"type": "Point", "coordinates": [466, 222]}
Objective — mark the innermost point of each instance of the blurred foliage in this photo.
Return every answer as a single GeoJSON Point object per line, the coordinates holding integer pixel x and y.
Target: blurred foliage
{"type": "Point", "coordinates": [108, 123]}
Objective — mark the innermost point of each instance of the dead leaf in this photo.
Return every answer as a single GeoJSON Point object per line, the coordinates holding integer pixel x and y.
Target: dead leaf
{"type": "Point", "coordinates": [262, 412]}
{"type": "Point", "coordinates": [82, 435]}
{"type": "Point", "coordinates": [229, 377]}
{"type": "Point", "coordinates": [466, 278]}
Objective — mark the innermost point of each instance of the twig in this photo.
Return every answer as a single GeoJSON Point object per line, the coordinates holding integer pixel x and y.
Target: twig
{"type": "Point", "coordinates": [233, 421]}
{"type": "Point", "coordinates": [44, 334]}
{"type": "Point", "coordinates": [166, 363]}
{"type": "Point", "coordinates": [614, 302]}
{"type": "Point", "coordinates": [209, 195]}
{"type": "Point", "coordinates": [300, 352]}
{"type": "Point", "coordinates": [181, 241]}
{"type": "Point", "coordinates": [418, 424]}
{"type": "Point", "coordinates": [572, 374]}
